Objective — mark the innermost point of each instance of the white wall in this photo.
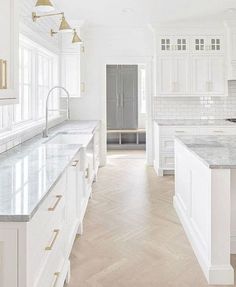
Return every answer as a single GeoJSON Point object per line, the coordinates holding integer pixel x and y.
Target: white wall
{"type": "Point", "coordinates": [108, 46]}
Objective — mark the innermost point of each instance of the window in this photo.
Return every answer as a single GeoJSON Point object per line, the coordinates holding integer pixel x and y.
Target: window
{"type": "Point", "coordinates": [4, 118]}
{"type": "Point", "coordinates": [38, 73]}
{"type": "Point", "coordinates": [22, 111]}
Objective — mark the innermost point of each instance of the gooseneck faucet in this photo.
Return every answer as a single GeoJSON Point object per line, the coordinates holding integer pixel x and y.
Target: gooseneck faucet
{"type": "Point", "coordinates": [45, 132]}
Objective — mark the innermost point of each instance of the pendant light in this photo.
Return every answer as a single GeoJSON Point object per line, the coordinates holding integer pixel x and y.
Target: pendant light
{"type": "Point", "coordinates": [64, 26]}
{"type": "Point", "coordinates": [44, 6]}
{"type": "Point", "coordinates": [76, 38]}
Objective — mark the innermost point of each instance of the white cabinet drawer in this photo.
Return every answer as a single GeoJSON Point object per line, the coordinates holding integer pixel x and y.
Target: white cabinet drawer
{"type": "Point", "coordinates": [173, 131]}
{"type": "Point", "coordinates": [44, 230]}
{"type": "Point", "coordinates": [216, 131]}
{"type": "Point", "coordinates": [50, 275]}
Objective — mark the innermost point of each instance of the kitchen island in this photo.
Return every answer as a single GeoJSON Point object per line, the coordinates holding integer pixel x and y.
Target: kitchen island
{"type": "Point", "coordinates": [205, 200]}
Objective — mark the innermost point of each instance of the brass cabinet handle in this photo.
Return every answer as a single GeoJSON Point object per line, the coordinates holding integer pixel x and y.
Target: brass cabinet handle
{"type": "Point", "coordinates": [3, 74]}
{"type": "Point", "coordinates": [59, 197]}
{"type": "Point", "coordinates": [56, 275]}
{"type": "Point", "coordinates": [87, 173]}
{"type": "Point", "coordinates": [56, 232]}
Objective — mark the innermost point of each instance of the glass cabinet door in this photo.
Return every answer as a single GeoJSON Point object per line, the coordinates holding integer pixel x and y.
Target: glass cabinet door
{"type": "Point", "coordinates": [165, 44]}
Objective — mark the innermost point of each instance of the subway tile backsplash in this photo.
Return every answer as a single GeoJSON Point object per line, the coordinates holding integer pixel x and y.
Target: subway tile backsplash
{"type": "Point", "coordinates": [196, 107]}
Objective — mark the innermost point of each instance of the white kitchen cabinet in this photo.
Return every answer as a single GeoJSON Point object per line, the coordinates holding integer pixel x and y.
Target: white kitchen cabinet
{"type": "Point", "coordinates": [9, 35]}
{"type": "Point", "coordinates": [8, 257]}
{"type": "Point", "coordinates": [208, 75]}
{"type": "Point", "coordinates": [191, 65]}
{"type": "Point", "coordinates": [164, 142]}
{"type": "Point", "coordinates": [36, 253]}
{"type": "Point", "coordinates": [173, 75]}
{"type": "Point", "coordinates": [173, 44]}
{"type": "Point", "coordinates": [82, 70]}
{"type": "Point", "coordinates": [207, 44]}
{"type": "Point", "coordinates": [73, 70]}
{"type": "Point", "coordinates": [70, 73]}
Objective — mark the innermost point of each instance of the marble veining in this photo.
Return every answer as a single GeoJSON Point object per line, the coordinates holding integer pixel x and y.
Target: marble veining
{"type": "Point", "coordinates": [29, 171]}
{"type": "Point", "coordinates": [216, 152]}
{"type": "Point", "coordinates": [188, 122]}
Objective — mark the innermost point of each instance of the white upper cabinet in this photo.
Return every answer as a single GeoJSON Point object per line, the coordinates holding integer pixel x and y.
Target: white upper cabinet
{"type": "Point", "coordinates": [217, 76]}
{"type": "Point", "coordinates": [173, 44]}
{"type": "Point", "coordinates": [173, 76]}
{"type": "Point", "coordinates": [9, 46]}
{"type": "Point", "coordinates": [208, 75]}
{"type": "Point", "coordinates": [200, 75]}
{"type": "Point", "coordinates": [82, 70]}
{"type": "Point", "coordinates": [207, 44]}
{"type": "Point", "coordinates": [191, 66]}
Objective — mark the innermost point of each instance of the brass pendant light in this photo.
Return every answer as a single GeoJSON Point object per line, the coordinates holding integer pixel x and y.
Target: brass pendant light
{"type": "Point", "coordinates": [76, 38]}
{"type": "Point", "coordinates": [44, 6]}
{"type": "Point", "coordinates": [64, 26]}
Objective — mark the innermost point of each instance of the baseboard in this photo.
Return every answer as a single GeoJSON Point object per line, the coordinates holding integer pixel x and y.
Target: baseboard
{"type": "Point", "coordinates": [214, 274]}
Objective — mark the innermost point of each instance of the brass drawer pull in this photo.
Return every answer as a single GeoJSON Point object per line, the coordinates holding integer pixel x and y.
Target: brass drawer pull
{"type": "Point", "coordinates": [59, 197]}
{"type": "Point", "coordinates": [3, 74]}
{"type": "Point", "coordinates": [56, 232]}
{"type": "Point", "coordinates": [56, 275]}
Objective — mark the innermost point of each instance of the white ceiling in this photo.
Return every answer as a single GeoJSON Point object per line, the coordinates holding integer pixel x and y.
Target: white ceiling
{"type": "Point", "coordinates": [141, 12]}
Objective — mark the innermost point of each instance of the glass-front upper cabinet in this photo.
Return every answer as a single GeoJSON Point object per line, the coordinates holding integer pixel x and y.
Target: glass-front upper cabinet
{"type": "Point", "coordinates": [174, 44]}
{"type": "Point", "coordinates": [207, 44]}
{"type": "Point", "coordinates": [165, 44]}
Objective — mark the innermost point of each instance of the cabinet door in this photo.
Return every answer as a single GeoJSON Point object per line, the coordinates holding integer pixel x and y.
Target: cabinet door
{"type": "Point", "coordinates": [82, 70]}
{"type": "Point", "coordinates": [70, 75]}
{"type": "Point", "coordinates": [9, 51]}
{"type": "Point", "coordinates": [129, 96]}
{"type": "Point", "coordinates": [165, 76]}
{"type": "Point", "coordinates": [173, 76]}
{"type": "Point", "coordinates": [215, 44]}
{"type": "Point", "coordinates": [8, 258]}
{"type": "Point", "coordinates": [181, 75]}
{"type": "Point", "coordinates": [200, 75]}
{"type": "Point", "coordinates": [165, 44]}
{"type": "Point", "coordinates": [114, 112]}
{"type": "Point", "coordinates": [217, 76]}
{"type": "Point", "coordinates": [199, 44]}
{"type": "Point", "coordinates": [180, 44]}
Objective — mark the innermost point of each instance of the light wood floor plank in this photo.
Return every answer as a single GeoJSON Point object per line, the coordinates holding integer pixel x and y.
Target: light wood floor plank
{"type": "Point", "coordinates": [132, 236]}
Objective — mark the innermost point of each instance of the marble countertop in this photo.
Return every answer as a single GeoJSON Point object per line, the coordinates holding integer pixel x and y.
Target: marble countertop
{"type": "Point", "coordinates": [216, 152]}
{"type": "Point", "coordinates": [29, 171]}
{"type": "Point", "coordinates": [188, 122]}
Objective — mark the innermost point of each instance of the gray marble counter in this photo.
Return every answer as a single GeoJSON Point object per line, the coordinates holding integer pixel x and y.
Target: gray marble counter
{"type": "Point", "coordinates": [29, 171]}
{"type": "Point", "coordinates": [216, 152]}
{"type": "Point", "coordinates": [188, 122]}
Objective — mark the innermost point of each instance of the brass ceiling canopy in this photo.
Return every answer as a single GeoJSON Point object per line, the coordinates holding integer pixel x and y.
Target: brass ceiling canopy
{"type": "Point", "coordinates": [76, 38]}
{"type": "Point", "coordinates": [44, 6]}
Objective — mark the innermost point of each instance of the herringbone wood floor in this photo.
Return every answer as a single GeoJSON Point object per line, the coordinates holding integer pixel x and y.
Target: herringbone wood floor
{"type": "Point", "coordinates": [132, 236]}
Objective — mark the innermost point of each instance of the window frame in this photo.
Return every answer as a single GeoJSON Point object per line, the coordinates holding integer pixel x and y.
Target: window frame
{"type": "Point", "coordinates": [53, 74]}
